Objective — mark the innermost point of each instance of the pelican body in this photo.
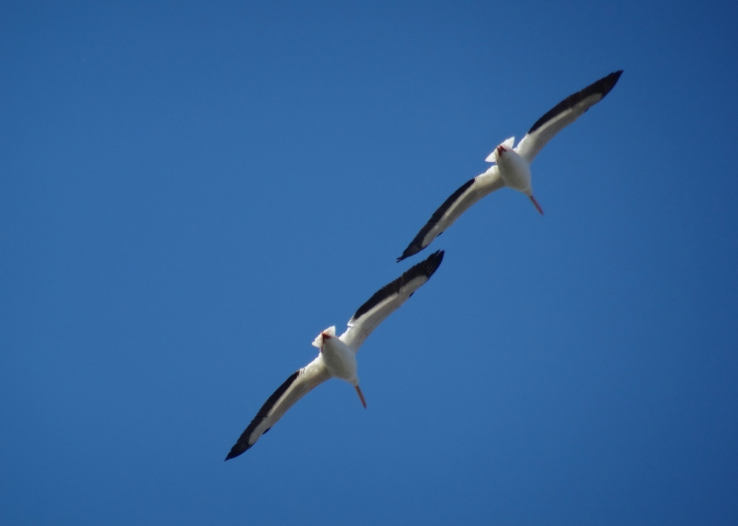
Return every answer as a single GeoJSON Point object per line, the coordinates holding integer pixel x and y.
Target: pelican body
{"type": "Point", "coordinates": [339, 359]}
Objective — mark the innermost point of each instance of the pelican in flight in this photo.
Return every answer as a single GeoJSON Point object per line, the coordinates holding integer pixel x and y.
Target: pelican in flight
{"type": "Point", "coordinates": [512, 165]}
{"type": "Point", "coordinates": [337, 356]}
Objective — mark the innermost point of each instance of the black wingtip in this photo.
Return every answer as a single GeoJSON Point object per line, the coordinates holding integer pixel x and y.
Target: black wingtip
{"type": "Point", "coordinates": [428, 266]}
{"type": "Point", "coordinates": [412, 249]}
{"type": "Point", "coordinates": [239, 448]}
{"type": "Point", "coordinates": [235, 451]}
{"type": "Point", "coordinates": [432, 262]}
{"type": "Point", "coordinates": [606, 84]}
{"type": "Point", "coordinates": [405, 255]}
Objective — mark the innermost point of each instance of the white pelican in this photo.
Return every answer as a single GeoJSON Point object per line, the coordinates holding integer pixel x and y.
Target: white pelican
{"type": "Point", "coordinates": [512, 166]}
{"type": "Point", "coordinates": [337, 354]}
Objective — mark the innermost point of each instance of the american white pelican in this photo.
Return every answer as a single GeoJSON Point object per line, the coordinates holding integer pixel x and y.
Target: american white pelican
{"type": "Point", "coordinates": [512, 166]}
{"type": "Point", "coordinates": [337, 354]}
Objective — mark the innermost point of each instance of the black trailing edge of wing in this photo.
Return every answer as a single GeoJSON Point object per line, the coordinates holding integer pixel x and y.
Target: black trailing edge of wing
{"type": "Point", "coordinates": [425, 268]}
{"type": "Point", "coordinates": [243, 441]}
{"type": "Point", "coordinates": [416, 245]}
{"type": "Point", "coordinates": [601, 87]}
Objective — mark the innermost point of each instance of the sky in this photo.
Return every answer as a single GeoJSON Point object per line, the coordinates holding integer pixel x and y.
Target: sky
{"type": "Point", "coordinates": [191, 191]}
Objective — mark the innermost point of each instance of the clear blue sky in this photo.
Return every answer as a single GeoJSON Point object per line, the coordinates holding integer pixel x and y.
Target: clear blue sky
{"type": "Point", "coordinates": [191, 191]}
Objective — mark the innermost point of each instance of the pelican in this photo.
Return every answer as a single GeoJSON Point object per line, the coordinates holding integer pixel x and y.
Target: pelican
{"type": "Point", "coordinates": [512, 165]}
{"type": "Point", "coordinates": [337, 356]}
